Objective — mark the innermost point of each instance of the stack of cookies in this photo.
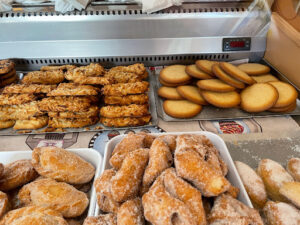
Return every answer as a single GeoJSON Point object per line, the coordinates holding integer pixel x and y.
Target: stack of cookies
{"type": "Point", "coordinates": [126, 100]}
{"type": "Point", "coordinates": [221, 84]}
{"type": "Point", "coordinates": [7, 73]}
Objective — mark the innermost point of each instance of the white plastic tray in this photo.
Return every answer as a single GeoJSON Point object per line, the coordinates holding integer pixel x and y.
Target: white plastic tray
{"type": "Point", "coordinates": [218, 142]}
{"type": "Point", "coordinates": [88, 154]}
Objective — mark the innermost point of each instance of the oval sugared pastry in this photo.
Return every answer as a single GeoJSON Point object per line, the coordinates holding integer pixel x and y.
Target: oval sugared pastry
{"type": "Point", "coordinates": [273, 176]}
{"type": "Point", "coordinates": [291, 191]}
{"type": "Point", "coordinates": [33, 215]}
{"type": "Point", "coordinates": [62, 165]}
{"type": "Point", "coordinates": [103, 219]}
{"type": "Point", "coordinates": [4, 205]}
{"type": "Point", "coordinates": [16, 174]}
{"type": "Point", "coordinates": [293, 167]}
{"type": "Point", "coordinates": [131, 213]}
{"type": "Point", "coordinates": [59, 196]}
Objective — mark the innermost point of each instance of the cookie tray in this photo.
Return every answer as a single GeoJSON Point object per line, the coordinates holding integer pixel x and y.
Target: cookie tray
{"type": "Point", "coordinates": [98, 126]}
{"type": "Point", "coordinates": [218, 142]}
{"type": "Point", "coordinates": [88, 154]}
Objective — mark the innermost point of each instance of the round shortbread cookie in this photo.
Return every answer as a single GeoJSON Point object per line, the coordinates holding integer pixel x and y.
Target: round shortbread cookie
{"type": "Point", "coordinates": [169, 93]}
{"type": "Point", "coordinates": [181, 108]}
{"type": "Point", "coordinates": [258, 97]}
{"type": "Point", "coordinates": [254, 68]}
{"type": "Point", "coordinates": [214, 85]}
{"type": "Point", "coordinates": [227, 78]}
{"type": "Point", "coordinates": [193, 71]}
{"type": "Point", "coordinates": [6, 124]}
{"type": "Point", "coordinates": [287, 109]}
{"type": "Point", "coordinates": [7, 75]}
{"type": "Point", "coordinates": [287, 93]}
{"type": "Point", "coordinates": [192, 94]}
{"type": "Point", "coordinates": [6, 65]}
{"type": "Point", "coordinates": [222, 100]}
{"type": "Point", "coordinates": [174, 74]}
{"type": "Point", "coordinates": [237, 73]}
{"type": "Point", "coordinates": [206, 66]}
{"type": "Point", "coordinates": [172, 85]}
{"type": "Point", "coordinates": [264, 78]}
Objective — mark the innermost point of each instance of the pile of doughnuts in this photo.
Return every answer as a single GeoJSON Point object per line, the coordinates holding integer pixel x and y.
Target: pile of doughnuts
{"type": "Point", "coordinates": [51, 188]}
{"type": "Point", "coordinates": [274, 190]}
{"type": "Point", "coordinates": [168, 180]}
{"type": "Point", "coordinates": [247, 86]}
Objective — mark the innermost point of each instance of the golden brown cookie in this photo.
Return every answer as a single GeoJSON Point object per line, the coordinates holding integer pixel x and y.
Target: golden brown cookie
{"type": "Point", "coordinates": [214, 85]}
{"type": "Point", "coordinates": [7, 75]}
{"type": "Point", "coordinates": [6, 66]}
{"type": "Point", "coordinates": [4, 204]}
{"type": "Point", "coordinates": [59, 196]}
{"type": "Point", "coordinates": [254, 68]}
{"type": "Point", "coordinates": [287, 93]}
{"type": "Point", "coordinates": [273, 176]}
{"type": "Point", "coordinates": [293, 167]}
{"type": "Point", "coordinates": [265, 78]}
{"type": "Point", "coordinates": [236, 73]}
{"type": "Point", "coordinates": [222, 100]}
{"type": "Point", "coordinates": [253, 183]}
{"type": "Point", "coordinates": [172, 85]}
{"type": "Point", "coordinates": [169, 93]}
{"type": "Point", "coordinates": [125, 121]}
{"type": "Point", "coordinates": [285, 109]}
{"type": "Point", "coordinates": [6, 123]}
{"type": "Point", "coordinates": [31, 123]}
{"type": "Point", "coordinates": [8, 81]}
{"type": "Point", "coordinates": [17, 174]}
{"type": "Point", "coordinates": [181, 108]}
{"type": "Point", "coordinates": [258, 97]}
{"type": "Point", "coordinates": [33, 215]}
{"type": "Point", "coordinates": [62, 165]}
{"type": "Point", "coordinates": [291, 191]}
{"type": "Point", "coordinates": [174, 74]}
{"type": "Point", "coordinates": [193, 71]}
{"type": "Point", "coordinates": [191, 93]}
{"type": "Point", "coordinates": [206, 66]}
{"type": "Point", "coordinates": [227, 78]}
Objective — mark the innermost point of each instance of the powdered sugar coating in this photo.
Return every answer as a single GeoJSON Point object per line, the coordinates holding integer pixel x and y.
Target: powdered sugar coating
{"type": "Point", "coordinates": [253, 183]}
{"type": "Point", "coordinates": [106, 219]}
{"type": "Point", "coordinates": [291, 191]}
{"type": "Point", "coordinates": [3, 203]}
{"type": "Point", "coordinates": [131, 213]}
{"type": "Point", "coordinates": [281, 214]}
{"type": "Point", "coordinates": [293, 167]}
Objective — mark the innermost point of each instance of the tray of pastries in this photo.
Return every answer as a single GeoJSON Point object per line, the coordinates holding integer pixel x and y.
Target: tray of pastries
{"type": "Point", "coordinates": [50, 185]}
{"type": "Point", "coordinates": [211, 90]}
{"type": "Point", "coordinates": [171, 178]}
{"type": "Point", "coordinates": [71, 98]}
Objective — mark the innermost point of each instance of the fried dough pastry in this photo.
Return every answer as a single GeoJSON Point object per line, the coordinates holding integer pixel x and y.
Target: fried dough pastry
{"type": "Point", "coordinates": [72, 123]}
{"type": "Point", "coordinates": [126, 183]}
{"type": "Point", "coordinates": [280, 213]}
{"type": "Point", "coordinates": [106, 219]}
{"type": "Point", "coordinates": [1, 169]}
{"type": "Point", "coordinates": [103, 191]}
{"type": "Point", "coordinates": [126, 100]}
{"type": "Point", "coordinates": [28, 89]}
{"type": "Point", "coordinates": [186, 193]}
{"type": "Point", "coordinates": [125, 121]}
{"type": "Point", "coordinates": [14, 202]}
{"type": "Point", "coordinates": [44, 77]}
{"type": "Point", "coordinates": [132, 110]}
{"type": "Point", "coordinates": [20, 112]}
{"type": "Point", "coordinates": [131, 213]}
{"type": "Point", "coordinates": [66, 103]}
{"type": "Point", "coordinates": [160, 158]}
{"type": "Point", "coordinates": [92, 111]}
{"type": "Point", "coordinates": [228, 209]}
{"type": "Point", "coordinates": [128, 144]}
{"type": "Point", "coordinates": [62, 67]}
{"type": "Point", "coordinates": [137, 68]}
{"type": "Point", "coordinates": [72, 89]}
{"type": "Point", "coordinates": [6, 123]}
{"type": "Point", "coordinates": [170, 140]}
{"type": "Point", "coordinates": [59, 196]}
{"type": "Point", "coordinates": [124, 77]}
{"type": "Point", "coordinates": [273, 176]}
{"type": "Point", "coordinates": [161, 208]}
{"type": "Point", "coordinates": [293, 167]}
{"type": "Point", "coordinates": [192, 167]}
{"type": "Point", "coordinates": [291, 191]}
{"type": "Point", "coordinates": [11, 99]}
{"type": "Point", "coordinates": [33, 215]}
{"type": "Point", "coordinates": [233, 191]}
{"type": "Point", "coordinates": [16, 174]}
{"type": "Point", "coordinates": [32, 123]}
{"type": "Point", "coordinates": [126, 89]}
{"type": "Point", "coordinates": [4, 204]}
{"type": "Point", "coordinates": [62, 165]}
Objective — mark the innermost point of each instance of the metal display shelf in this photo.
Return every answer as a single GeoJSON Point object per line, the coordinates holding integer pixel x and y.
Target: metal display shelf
{"type": "Point", "coordinates": [123, 30]}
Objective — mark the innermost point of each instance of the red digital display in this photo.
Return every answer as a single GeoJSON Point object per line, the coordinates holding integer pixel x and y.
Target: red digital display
{"type": "Point", "coordinates": [237, 44]}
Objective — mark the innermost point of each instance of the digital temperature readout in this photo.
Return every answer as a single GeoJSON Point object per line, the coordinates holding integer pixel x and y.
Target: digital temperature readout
{"type": "Point", "coordinates": [236, 44]}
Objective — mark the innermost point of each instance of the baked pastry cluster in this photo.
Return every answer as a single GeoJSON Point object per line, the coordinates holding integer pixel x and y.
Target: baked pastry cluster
{"type": "Point", "coordinates": [224, 85]}
{"type": "Point", "coordinates": [274, 190]}
{"type": "Point", "coordinates": [126, 99]}
{"type": "Point", "coordinates": [167, 180]}
{"type": "Point", "coordinates": [68, 96]}
{"type": "Point", "coordinates": [52, 188]}
{"type": "Point", "coordinates": [7, 73]}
